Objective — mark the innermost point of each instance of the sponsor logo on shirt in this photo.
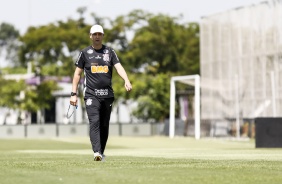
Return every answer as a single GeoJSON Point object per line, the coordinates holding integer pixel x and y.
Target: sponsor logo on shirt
{"type": "Point", "coordinates": [98, 57]}
{"type": "Point", "coordinates": [89, 51]}
{"type": "Point", "coordinates": [101, 92]}
{"type": "Point", "coordinates": [99, 69]}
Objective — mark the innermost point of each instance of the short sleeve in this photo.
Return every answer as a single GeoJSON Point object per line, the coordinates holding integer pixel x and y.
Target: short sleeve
{"type": "Point", "coordinates": [115, 59]}
{"type": "Point", "coordinates": [80, 61]}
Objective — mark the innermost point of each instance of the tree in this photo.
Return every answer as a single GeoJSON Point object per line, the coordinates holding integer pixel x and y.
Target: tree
{"type": "Point", "coordinates": [56, 46]}
{"type": "Point", "coordinates": [39, 97]}
{"type": "Point", "coordinates": [47, 45]}
{"type": "Point", "coordinates": [22, 97]}
{"type": "Point", "coordinates": [17, 94]}
{"type": "Point", "coordinates": [10, 91]}
{"type": "Point", "coordinates": [153, 100]}
{"type": "Point", "coordinates": [165, 46]}
{"type": "Point", "coordinates": [9, 41]}
{"type": "Point", "coordinates": [151, 47]}
{"type": "Point", "coordinates": [160, 48]}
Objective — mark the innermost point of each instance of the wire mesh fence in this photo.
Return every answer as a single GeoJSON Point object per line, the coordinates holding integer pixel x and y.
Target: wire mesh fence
{"type": "Point", "coordinates": [241, 62]}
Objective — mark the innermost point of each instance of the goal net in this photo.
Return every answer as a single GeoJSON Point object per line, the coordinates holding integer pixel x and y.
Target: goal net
{"type": "Point", "coordinates": [241, 68]}
{"type": "Point", "coordinates": [191, 80]}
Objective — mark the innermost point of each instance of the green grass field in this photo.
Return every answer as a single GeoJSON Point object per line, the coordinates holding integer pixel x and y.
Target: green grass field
{"type": "Point", "coordinates": [131, 160]}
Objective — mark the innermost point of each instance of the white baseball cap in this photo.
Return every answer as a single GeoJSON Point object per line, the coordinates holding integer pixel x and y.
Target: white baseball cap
{"type": "Point", "coordinates": [96, 29]}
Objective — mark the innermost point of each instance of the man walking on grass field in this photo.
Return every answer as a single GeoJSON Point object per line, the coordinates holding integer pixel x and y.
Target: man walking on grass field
{"type": "Point", "coordinates": [97, 62]}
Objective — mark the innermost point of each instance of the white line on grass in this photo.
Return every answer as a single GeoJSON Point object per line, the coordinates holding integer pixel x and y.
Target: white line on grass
{"type": "Point", "coordinates": [178, 153]}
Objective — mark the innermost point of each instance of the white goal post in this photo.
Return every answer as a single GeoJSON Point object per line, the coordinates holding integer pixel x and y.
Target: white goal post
{"type": "Point", "coordinates": [186, 80]}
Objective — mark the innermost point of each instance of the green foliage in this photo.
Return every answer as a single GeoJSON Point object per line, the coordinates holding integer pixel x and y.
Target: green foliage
{"type": "Point", "coordinates": [152, 94]}
{"type": "Point", "coordinates": [160, 48]}
{"type": "Point", "coordinates": [7, 33]}
{"type": "Point", "coordinates": [39, 97]}
{"type": "Point", "coordinates": [14, 70]}
{"type": "Point", "coordinates": [54, 42]}
{"type": "Point", "coordinates": [163, 46]}
{"type": "Point", "coordinates": [10, 91]}
{"type": "Point", "coordinates": [32, 99]}
{"type": "Point", "coordinates": [9, 41]}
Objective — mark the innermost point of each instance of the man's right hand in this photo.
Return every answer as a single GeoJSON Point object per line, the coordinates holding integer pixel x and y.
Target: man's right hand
{"type": "Point", "coordinates": [73, 100]}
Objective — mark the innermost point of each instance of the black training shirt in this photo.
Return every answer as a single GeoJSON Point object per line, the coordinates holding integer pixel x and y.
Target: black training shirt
{"type": "Point", "coordinates": [98, 67]}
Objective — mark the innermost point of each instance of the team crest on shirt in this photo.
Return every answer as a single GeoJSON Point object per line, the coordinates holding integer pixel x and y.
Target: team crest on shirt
{"type": "Point", "coordinates": [106, 57]}
{"type": "Point", "coordinates": [89, 51]}
{"type": "Point", "coordinates": [89, 102]}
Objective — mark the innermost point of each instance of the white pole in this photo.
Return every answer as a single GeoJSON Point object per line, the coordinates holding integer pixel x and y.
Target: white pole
{"type": "Point", "coordinates": [197, 107]}
{"type": "Point", "coordinates": [238, 76]}
{"type": "Point", "coordinates": [172, 109]}
{"type": "Point", "coordinates": [172, 103]}
{"type": "Point", "coordinates": [237, 107]}
{"type": "Point", "coordinates": [273, 93]}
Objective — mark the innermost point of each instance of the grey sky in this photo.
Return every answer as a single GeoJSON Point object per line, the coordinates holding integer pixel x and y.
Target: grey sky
{"type": "Point", "coordinates": [24, 13]}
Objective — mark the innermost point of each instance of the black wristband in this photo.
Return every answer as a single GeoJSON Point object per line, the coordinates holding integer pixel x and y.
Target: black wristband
{"type": "Point", "coordinates": [73, 94]}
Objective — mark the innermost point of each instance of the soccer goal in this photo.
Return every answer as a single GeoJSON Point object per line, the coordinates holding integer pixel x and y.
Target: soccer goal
{"type": "Point", "coordinates": [190, 80]}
